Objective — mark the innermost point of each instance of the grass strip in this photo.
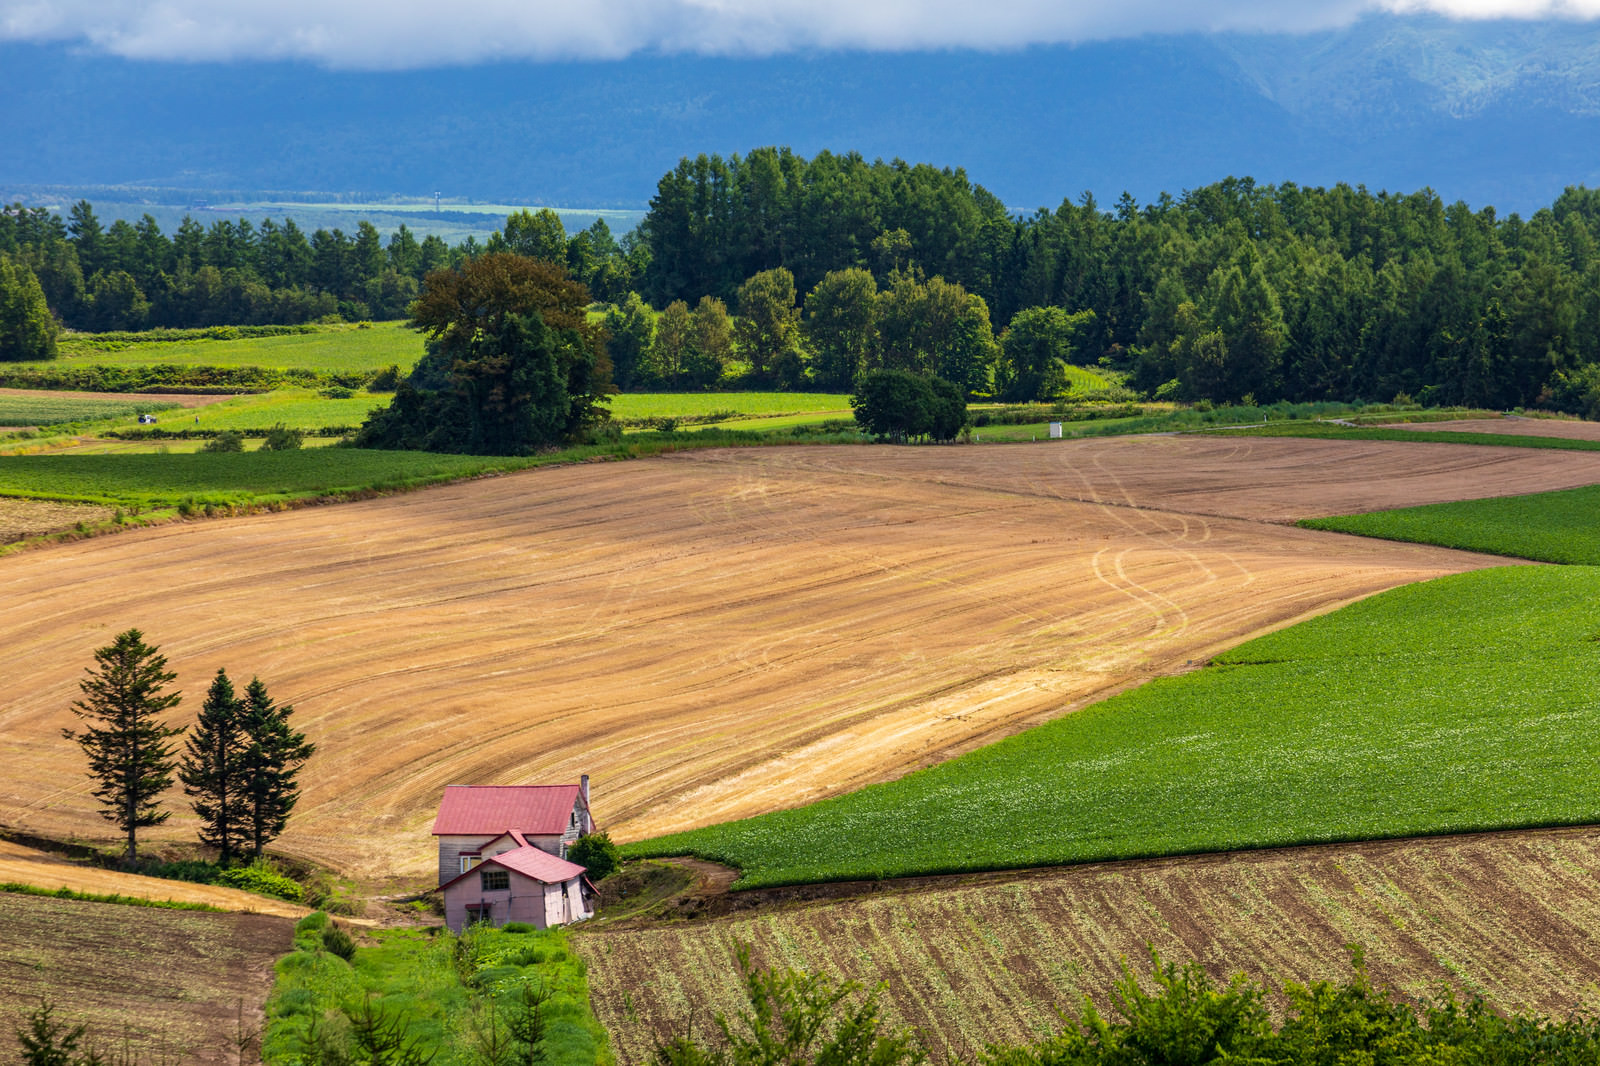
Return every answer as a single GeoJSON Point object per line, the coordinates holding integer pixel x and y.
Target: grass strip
{"type": "Point", "coordinates": [54, 410]}
{"type": "Point", "coordinates": [1332, 431]}
{"type": "Point", "coordinates": [440, 990]}
{"type": "Point", "coordinates": [21, 889]}
{"type": "Point", "coordinates": [1466, 703]}
{"type": "Point", "coordinates": [1552, 527]}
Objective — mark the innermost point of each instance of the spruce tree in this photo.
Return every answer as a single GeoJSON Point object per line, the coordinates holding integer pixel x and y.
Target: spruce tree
{"type": "Point", "coordinates": [273, 755]}
{"type": "Point", "coordinates": [126, 744]}
{"type": "Point", "coordinates": [213, 770]}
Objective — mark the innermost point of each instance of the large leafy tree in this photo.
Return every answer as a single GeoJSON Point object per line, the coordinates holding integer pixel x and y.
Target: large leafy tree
{"type": "Point", "coordinates": [213, 772]}
{"type": "Point", "coordinates": [513, 364]}
{"type": "Point", "coordinates": [841, 326]}
{"type": "Point", "coordinates": [269, 766]}
{"type": "Point", "coordinates": [768, 327]}
{"type": "Point", "coordinates": [899, 405]}
{"type": "Point", "coordinates": [129, 749]}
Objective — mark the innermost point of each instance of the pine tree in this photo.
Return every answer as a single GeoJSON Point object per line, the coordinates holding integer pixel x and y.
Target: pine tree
{"type": "Point", "coordinates": [127, 747]}
{"type": "Point", "coordinates": [273, 756]}
{"type": "Point", "coordinates": [213, 770]}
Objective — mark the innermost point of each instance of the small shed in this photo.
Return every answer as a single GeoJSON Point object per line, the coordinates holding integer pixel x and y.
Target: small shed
{"type": "Point", "coordinates": [525, 884]}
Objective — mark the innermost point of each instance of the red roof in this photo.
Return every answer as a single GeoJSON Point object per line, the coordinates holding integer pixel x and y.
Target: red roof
{"type": "Point", "coordinates": [489, 810]}
{"type": "Point", "coordinates": [530, 862]}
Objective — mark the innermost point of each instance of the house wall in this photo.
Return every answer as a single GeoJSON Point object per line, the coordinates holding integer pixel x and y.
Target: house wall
{"type": "Point", "coordinates": [450, 849]}
{"type": "Point", "coordinates": [526, 900]}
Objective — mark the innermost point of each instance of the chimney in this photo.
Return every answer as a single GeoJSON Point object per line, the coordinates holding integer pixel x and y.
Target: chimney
{"type": "Point", "coordinates": [583, 786]}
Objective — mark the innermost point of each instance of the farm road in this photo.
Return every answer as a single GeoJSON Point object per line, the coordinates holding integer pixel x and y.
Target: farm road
{"type": "Point", "coordinates": [1509, 916]}
{"type": "Point", "coordinates": [715, 634]}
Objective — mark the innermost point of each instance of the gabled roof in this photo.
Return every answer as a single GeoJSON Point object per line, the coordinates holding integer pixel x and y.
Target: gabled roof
{"type": "Point", "coordinates": [530, 862]}
{"type": "Point", "coordinates": [489, 810]}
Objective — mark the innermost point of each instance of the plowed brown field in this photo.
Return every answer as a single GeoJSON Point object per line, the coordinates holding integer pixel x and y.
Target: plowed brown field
{"type": "Point", "coordinates": [1508, 916]}
{"type": "Point", "coordinates": [715, 634]}
{"type": "Point", "coordinates": [156, 986]}
{"type": "Point", "coordinates": [1520, 427]}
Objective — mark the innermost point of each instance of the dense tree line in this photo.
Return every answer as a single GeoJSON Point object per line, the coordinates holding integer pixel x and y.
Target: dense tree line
{"type": "Point", "coordinates": [130, 276]}
{"type": "Point", "coordinates": [1234, 289]}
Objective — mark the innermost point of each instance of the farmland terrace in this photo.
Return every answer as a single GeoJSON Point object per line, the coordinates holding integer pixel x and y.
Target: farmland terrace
{"type": "Point", "coordinates": [716, 634]}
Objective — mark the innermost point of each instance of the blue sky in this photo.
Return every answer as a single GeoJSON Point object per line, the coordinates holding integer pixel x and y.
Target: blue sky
{"type": "Point", "coordinates": [400, 34]}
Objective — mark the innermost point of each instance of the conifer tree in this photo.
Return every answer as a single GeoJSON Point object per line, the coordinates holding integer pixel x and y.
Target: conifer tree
{"type": "Point", "coordinates": [126, 744]}
{"type": "Point", "coordinates": [213, 770]}
{"type": "Point", "coordinates": [273, 755]}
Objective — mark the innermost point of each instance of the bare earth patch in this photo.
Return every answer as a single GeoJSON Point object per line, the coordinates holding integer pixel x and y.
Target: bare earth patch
{"type": "Point", "coordinates": [182, 399]}
{"type": "Point", "coordinates": [1509, 916]}
{"type": "Point", "coordinates": [716, 634]}
{"type": "Point", "coordinates": [1520, 427]}
{"type": "Point", "coordinates": [175, 985]}
{"type": "Point", "coordinates": [42, 869]}
{"type": "Point", "coordinates": [26, 518]}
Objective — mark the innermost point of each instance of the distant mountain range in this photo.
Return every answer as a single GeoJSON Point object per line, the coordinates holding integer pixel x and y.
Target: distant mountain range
{"type": "Point", "coordinates": [1502, 113]}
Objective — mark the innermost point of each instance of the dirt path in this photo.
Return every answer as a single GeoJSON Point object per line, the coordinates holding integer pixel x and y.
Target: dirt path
{"type": "Point", "coordinates": [1510, 916]}
{"type": "Point", "coordinates": [716, 634]}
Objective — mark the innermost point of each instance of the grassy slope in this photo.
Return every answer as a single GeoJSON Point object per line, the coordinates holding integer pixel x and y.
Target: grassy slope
{"type": "Point", "coordinates": [154, 480]}
{"type": "Point", "coordinates": [1553, 527]}
{"type": "Point", "coordinates": [300, 408]}
{"type": "Point", "coordinates": [412, 975]}
{"type": "Point", "coordinates": [1389, 718]}
{"type": "Point", "coordinates": [335, 348]}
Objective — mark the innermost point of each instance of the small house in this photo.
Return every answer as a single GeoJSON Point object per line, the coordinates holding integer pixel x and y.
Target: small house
{"type": "Point", "coordinates": [502, 854]}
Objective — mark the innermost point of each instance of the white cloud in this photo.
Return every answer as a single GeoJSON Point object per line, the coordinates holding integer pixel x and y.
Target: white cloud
{"type": "Point", "coordinates": [413, 33]}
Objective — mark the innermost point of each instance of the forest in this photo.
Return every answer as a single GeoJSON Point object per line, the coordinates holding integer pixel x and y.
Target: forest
{"type": "Point", "coordinates": [835, 266]}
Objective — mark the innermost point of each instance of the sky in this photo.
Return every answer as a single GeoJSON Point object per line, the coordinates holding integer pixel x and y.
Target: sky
{"type": "Point", "coordinates": [404, 34]}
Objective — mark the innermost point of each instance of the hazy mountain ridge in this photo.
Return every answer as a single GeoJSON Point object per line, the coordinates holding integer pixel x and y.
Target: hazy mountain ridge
{"type": "Point", "coordinates": [1490, 112]}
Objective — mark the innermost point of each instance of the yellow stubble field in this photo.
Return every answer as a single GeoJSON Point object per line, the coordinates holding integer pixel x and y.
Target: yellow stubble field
{"type": "Point", "coordinates": [709, 635]}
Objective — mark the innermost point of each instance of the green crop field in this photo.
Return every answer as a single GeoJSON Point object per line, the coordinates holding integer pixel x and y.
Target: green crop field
{"type": "Point", "coordinates": [231, 479]}
{"type": "Point", "coordinates": [1332, 431]}
{"type": "Point", "coordinates": [1470, 702]}
{"type": "Point", "coordinates": [298, 408]}
{"type": "Point", "coordinates": [54, 410]}
{"type": "Point", "coordinates": [1553, 527]}
{"type": "Point", "coordinates": [330, 349]}
{"type": "Point", "coordinates": [630, 405]}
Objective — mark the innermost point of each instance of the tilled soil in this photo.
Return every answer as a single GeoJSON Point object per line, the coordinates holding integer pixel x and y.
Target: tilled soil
{"type": "Point", "coordinates": [151, 984]}
{"type": "Point", "coordinates": [715, 634]}
{"type": "Point", "coordinates": [993, 958]}
{"type": "Point", "coordinates": [26, 518]}
{"type": "Point", "coordinates": [1520, 427]}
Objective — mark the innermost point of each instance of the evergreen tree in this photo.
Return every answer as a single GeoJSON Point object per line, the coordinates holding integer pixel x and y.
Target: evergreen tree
{"type": "Point", "coordinates": [212, 771]}
{"type": "Point", "coordinates": [127, 746]}
{"type": "Point", "coordinates": [272, 758]}
{"type": "Point", "coordinates": [27, 330]}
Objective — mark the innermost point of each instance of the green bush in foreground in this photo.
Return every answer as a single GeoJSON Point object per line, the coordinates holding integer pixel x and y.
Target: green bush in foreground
{"type": "Point", "coordinates": [450, 999]}
{"type": "Point", "coordinates": [1471, 702]}
{"type": "Point", "coordinates": [1553, 527]}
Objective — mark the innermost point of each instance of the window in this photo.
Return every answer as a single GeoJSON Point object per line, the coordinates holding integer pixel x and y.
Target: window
{"type": "Point", "coordinates": [495, 880]}
{"type": "Point", "coordinates": [468, 862]}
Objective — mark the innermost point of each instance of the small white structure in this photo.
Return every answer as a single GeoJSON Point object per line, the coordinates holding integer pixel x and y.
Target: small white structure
{"type": "Point", "coordinates": [1055, 431]}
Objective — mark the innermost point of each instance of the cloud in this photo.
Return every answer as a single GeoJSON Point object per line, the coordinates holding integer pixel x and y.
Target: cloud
{"type": "Point", "coordinates": [398, 34]}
